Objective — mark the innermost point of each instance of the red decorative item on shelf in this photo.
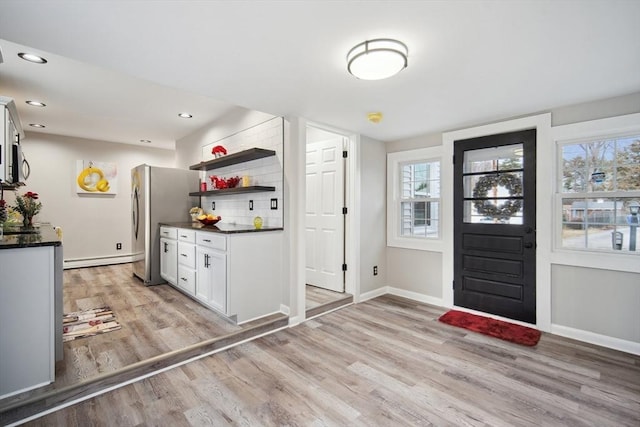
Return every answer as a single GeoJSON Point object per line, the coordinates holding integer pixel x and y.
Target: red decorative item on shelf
{"type": "Point", "coordinates": [218, 151]}
{"type": "Point", "coordinates": [221, 183]}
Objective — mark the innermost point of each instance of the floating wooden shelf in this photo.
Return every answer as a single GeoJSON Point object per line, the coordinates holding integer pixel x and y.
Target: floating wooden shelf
{"type": "Point", "coordinates": [236, 190]}
{"type": "Point", "coordinates": [235, 158]}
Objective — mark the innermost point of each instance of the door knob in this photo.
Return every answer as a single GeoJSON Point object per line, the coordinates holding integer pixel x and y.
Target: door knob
{"type": "Point", "coordinates": [528, 245]}
{"type": "Point", "coordinates": [528, 230]}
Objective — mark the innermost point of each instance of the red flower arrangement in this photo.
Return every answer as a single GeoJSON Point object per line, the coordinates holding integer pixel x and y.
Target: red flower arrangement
{"type": "Point", "coordinates": [28, 206]}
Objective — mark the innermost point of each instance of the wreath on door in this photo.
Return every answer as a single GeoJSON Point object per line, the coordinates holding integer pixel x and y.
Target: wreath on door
{"type": "Point", "coordinates": [505, 210]}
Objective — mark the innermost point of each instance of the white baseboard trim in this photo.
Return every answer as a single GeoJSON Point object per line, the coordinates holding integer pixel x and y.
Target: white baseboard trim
{"type": "Point", "coordinates": [285, 309]}
{"type": "Point", "coordinates": [597, 339]}
{"type": "Point", "coordinates": [402, 293]}
{"type": "Point", "coordinates": [295, 320]}
{"type": "Point", "coordinates": [373, 294]}
{"type": "Point", "coordinates": [96, 261]}
{"type": "Point", "coordinates": [439, 302]}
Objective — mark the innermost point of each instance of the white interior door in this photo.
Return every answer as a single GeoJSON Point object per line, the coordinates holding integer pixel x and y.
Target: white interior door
{"type": "Point", "coordinates": [324, 218]}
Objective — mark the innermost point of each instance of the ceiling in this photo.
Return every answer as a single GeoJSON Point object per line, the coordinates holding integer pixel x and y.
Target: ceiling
{"type": "Point", "coordinates": [122, 71]}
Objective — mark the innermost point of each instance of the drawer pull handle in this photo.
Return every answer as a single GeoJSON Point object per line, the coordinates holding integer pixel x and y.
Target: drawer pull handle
{"type": "Point", "coordinates": [184, 255]}
{"type": "Point", "coordinates": [206, 240]}
{"type": "Point", "coordinates": [182, 235]}
{"type": "Point", "coordinates": [183, 279]}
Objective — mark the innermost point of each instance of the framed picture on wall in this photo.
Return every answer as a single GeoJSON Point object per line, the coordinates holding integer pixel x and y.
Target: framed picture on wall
{"type": "Point", "coordinates": [93, 177]}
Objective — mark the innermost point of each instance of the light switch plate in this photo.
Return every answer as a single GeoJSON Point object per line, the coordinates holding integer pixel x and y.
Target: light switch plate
{"type": "Point", "coordinates": [274, 204]}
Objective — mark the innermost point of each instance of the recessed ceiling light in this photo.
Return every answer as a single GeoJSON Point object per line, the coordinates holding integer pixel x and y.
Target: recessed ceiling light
{"type": "Point", "coordinates": [146, 141]}
{"type": "Point", "coordinates": [37, 125]}
{"type": "Point", "coordinates": [185, 115]}
{"type": "Point", "coordinates": [36, 103]}
{"type": "Point", "coordinates": [32, 58]}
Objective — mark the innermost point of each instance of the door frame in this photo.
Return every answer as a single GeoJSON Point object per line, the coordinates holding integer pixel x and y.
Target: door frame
{"type": "Point", "coordinates": [544, 195]}
{"type": "Point", "coordinates": [352, 230]}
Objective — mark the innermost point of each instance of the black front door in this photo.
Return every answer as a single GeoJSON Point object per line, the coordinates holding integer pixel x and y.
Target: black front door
{"type": "Point", "coordinates": [494, 224]}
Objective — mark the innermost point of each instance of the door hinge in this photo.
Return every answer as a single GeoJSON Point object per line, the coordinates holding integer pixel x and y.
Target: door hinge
{"type": "Point", "coordinates": [344, 267]}
{"type": "Point", "coordinates": [344, 211]}
{"type": "Point", "coordinates": [344, 154]}
{"type": "Point", "coordinates": [454, 159]}
{"type": "Point", "coordinates": [453, 284]}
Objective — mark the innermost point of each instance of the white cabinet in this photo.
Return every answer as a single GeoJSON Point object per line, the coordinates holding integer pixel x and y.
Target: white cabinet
{"type": "Point", "coordinates": [169, 254]}
{"type": "Point", "coordinates": [187, 275]}
{"type": "Point", "coordinates": [239, 275]}
{"type": "Point", "coordinates": [211, 282]}
{"type": "Point", "coordinates": [27, 349]}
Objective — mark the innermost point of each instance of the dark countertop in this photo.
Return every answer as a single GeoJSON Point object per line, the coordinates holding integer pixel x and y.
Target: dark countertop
{"type": "Point", "coordinates": [45, 236]}
{"type": "Point", "coordinates": [220, 227]}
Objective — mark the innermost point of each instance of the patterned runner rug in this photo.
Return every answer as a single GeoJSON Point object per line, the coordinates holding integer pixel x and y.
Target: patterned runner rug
{"type": "Point", "coordinates": [87, 323]}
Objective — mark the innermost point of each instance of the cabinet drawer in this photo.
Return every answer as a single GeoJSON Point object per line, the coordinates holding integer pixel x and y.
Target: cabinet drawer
{"type": "Point", "coordinates": [186, 254]}
{"type": "Point", "coordinates": [211, 240]}
{"type": "Point", "coordinates": [187, 279]}
{"type": "Point", "coordinates": [185, 235]}
{"type": "Point", "coordinates": [169, 232]}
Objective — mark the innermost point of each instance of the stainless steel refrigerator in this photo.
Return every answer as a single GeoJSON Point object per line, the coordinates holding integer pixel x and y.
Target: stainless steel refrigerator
{"type": "Point", "coordinates": [157, 195]}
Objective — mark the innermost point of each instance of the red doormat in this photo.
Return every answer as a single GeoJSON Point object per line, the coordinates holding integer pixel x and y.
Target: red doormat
{"type": "Point", "coordinates": [492, 327]}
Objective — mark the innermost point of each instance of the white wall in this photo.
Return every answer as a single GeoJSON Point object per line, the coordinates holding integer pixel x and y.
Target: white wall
{"type": "Point", "coordinates": [373, 214]}
{"type": "Point", "coordinates": [92, 225]}
{"type": "Point", "coordinates": [189, 148]}
{"type": "Point", "coordinates": [599, 306]}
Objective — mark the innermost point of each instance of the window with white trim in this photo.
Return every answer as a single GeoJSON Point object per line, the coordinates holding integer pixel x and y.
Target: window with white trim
{"type": "Point", "coordinates": [413, 199]}
{"type": "Point", "coordinates": [598, 193]}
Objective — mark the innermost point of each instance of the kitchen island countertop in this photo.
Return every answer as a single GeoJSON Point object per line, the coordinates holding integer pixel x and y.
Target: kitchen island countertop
{"type": "Point", "coordinates": [220, 227]}
{"type": "Point", "coordinates": [44, 236]}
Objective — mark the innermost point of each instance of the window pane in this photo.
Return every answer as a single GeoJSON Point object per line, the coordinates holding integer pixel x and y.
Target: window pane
{"type": "Point", "coordinates": [493, 185]}
{"type": "Point", "coordinates": [420, 180]}
{"type": "Point", "coordinates": [628, 161]}
{"type": "Point", "coordinates": [419, 219]}
{"type": "Point", "coordinates": [493, 211]}
{"type": "Point", "coordinates": [493, 159]}
{"type": "Point", "coordinates": [608, 165]}
{"type": "Point", "coordinates": [600, 224]}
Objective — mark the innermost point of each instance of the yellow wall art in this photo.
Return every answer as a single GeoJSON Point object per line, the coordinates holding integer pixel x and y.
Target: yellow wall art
{"type": "Point", "coordinates": [96, 177]}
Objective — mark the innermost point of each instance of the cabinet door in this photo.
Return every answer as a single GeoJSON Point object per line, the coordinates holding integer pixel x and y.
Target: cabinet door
{"type": "Point", "coordinates": [211, 278]}
{"type": "Point", "coordinates": [169, 260]}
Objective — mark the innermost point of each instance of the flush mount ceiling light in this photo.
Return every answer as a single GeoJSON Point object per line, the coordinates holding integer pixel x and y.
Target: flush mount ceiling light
{"type": "Point", "coordinates": [32, 58]}
{"type": "Point", "coordinates": [377, 59]}
{"type": "Point", "coordinates": [146, 141]}
{"type": "Point", "coordinates": [37, 125]}
{"type": "Point", "coordinates": [185, 115]}
{"type": "Point", "coordinates": [36, 103]}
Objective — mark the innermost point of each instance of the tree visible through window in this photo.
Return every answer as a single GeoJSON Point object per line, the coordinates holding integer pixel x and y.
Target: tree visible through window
{"type": "Point", "coordinates": [600, 187]}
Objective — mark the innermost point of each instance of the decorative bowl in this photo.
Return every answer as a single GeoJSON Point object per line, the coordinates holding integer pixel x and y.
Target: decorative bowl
{"type": "Point", "coordinates": [208, 221]}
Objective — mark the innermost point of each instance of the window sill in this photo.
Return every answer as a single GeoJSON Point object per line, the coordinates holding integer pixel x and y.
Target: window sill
{"type": "Point", "coordinates": [431, 245]}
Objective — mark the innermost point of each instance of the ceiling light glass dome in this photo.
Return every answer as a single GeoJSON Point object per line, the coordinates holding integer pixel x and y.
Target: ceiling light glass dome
{"type": "Point", "coordinates": [377, 59]}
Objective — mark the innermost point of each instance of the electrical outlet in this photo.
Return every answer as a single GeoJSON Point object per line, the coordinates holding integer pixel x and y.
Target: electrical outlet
{"type": "Point", "coordinates": [375, 270]}
{"type": "Point", "coordinates": [250, 205]}
{"type": "Point", "coordinates": [213, 206]}
{"type": "Point", "coordinates": [118, 246]}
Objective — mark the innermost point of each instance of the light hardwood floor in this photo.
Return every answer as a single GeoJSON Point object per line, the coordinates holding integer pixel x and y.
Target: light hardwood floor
{"type": "Point", "coordinates": [387, 361]}
{"type": "Point", "coordinates": [160, 326]}
{"type": "Point", "coordinates": [319, 300]}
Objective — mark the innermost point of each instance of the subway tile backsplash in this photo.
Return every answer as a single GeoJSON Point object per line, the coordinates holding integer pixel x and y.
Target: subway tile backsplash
{"type": "Point", "coordinates": [268, 171]}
